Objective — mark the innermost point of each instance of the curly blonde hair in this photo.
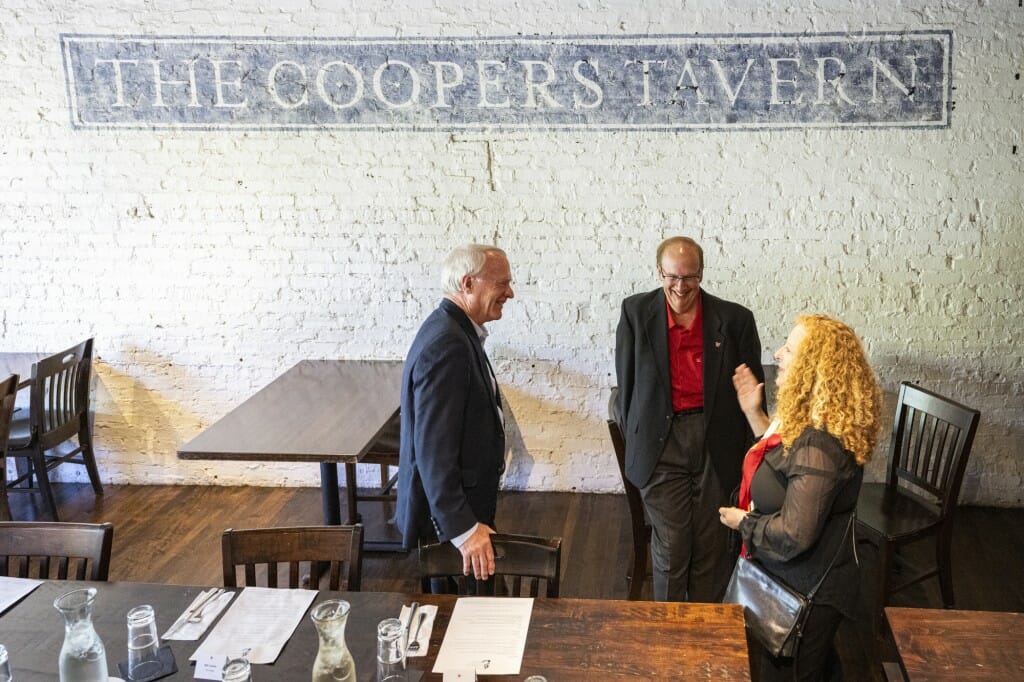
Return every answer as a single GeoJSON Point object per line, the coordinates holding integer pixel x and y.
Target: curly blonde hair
{"type": "Point", "coordinates": [830, 386]}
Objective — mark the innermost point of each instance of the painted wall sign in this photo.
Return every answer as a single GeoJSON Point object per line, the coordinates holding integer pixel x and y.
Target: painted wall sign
{"type": "Point", "coordinates": [668, 83]}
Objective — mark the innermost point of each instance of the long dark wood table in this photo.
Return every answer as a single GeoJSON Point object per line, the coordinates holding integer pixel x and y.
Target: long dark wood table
{"type": "Point", "coordinates": [941, 644]}
{"type": "Point", "coordinates": [569, 639]}
{"type": "Point", "coordinates": [322, 411]}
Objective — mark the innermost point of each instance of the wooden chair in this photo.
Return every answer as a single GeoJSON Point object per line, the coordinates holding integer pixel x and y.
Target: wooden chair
{"type": "Point", "coordinates": [306, 551]}
{"type": "Point", "coordinates": [58, 411]}
{"type": "Point", "coordinates": [931, 441]}
{"type": "Point", "coordinates": [8, 392]}
{"type": "Point", "coordinates": [521, 563]}
{"type": "Point", "coordinates": [71, 551]}
{"type": "Point", "coordinates": [641, 530]}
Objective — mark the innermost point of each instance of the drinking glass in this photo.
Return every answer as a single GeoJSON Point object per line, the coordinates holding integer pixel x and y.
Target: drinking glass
{"type": "Point", "coordinates": [391, 643]}
{"type": "Point", "coordinates": [143, 643]}
{"type": "Point", "coordinates": [237, 670]}
{"type": "Point", "coordinates": [5, 665]}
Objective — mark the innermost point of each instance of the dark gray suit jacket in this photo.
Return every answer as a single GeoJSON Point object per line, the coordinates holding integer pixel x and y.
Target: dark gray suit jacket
{"type": "Point", "coordinates": [452, 445]}
{"type": "Point", "coordinates": [645, 385]}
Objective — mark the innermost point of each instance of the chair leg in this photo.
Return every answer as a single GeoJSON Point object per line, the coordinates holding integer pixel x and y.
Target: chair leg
{"type": "Point", "coordinates": [43, 478]}
{"type": "Point", "coordinates": [89, 457]}
{"type": "Point", "coordinates": [639, 570]}
{"type": "Point", "coordinates": [885, 553]}
{"type": "Point", "coordinates": [5, 507]}
{"type": "Point", "coordinates": [942, 562]}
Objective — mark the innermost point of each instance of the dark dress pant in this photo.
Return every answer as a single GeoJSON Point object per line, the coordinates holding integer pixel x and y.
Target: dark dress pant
{"type": "Point", "coordinates": [688, 543]}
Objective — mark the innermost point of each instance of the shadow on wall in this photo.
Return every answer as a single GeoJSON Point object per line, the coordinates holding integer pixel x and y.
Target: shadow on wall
{"type": "Point", "coordinates": [136, 427]}
{"type": "Point", "coordinates": [569, 445]}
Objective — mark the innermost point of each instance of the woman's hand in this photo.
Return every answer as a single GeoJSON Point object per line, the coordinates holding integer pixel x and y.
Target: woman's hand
{"type": "Point", "coordinates": [731, 516]}
{"type": "Point", "coordinates": [748, 389]}
{"type": "Point", "coordinates": [748, 393]}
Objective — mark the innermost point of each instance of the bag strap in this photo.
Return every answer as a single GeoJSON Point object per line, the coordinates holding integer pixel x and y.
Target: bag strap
{"type": "Point", "coordinates": [849, 525]}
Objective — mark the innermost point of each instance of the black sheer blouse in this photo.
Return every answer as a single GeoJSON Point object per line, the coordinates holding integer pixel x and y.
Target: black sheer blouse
{"type": "Point", "coordinates": [802, 505]}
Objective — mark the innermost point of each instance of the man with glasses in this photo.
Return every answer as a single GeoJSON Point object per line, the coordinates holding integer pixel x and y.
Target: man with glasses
{"type": "Point", "coordinates": [452, 444]}
{"type": "Point", "coordinates": [676, 349]}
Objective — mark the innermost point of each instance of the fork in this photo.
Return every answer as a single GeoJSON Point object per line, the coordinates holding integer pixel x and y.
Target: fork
{"type": "Point", "coordinates": [414, 643]}
{"type": "Point", "coordinates": [204, 600]}
{"type": "Point", "coordinates": [196, 616]}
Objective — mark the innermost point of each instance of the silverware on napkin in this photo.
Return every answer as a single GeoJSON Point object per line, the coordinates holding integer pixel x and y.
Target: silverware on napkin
{"type": "Point", "coordinates": [195, 612]}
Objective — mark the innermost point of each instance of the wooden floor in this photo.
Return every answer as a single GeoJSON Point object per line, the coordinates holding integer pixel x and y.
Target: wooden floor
{"type": "Point", "coordinates": [171, 534]}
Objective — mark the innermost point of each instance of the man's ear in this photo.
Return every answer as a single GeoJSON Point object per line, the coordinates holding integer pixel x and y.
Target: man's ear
{"type": "Point", "coordinates": [467, 284]}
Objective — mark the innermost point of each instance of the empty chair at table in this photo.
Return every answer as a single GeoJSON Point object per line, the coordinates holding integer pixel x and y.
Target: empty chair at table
{"type": "Point", "coordinates": [58, 412]}
{"type": "Point", "coordinates": [305, 553]}
{"type": "Point", "coordinates": [8, 392]}
{"type": "Point", "coordinates": [931, 441]}
{"type": "Point", "coordinates": [522, 565]}
{"type": "Point", "coordinates": [55, 551]}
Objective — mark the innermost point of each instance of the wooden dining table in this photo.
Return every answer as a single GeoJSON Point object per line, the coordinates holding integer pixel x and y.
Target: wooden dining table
{"type": "Point", "coordinates": [946, 644]}
{"type": "Point", "coordinates": [568, 639]}
{"type": "Point", "coordinates": [318, 411]}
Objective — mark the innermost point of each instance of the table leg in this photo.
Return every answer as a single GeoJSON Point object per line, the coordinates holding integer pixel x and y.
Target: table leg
{"type": "Point", "coordinates": [329, 493]}
{"type": "Point", "coordinates": [352, 492]}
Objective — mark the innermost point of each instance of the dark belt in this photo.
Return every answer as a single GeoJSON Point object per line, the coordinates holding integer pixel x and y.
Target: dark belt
{"type": "Point", "coordinates": [692, 410]}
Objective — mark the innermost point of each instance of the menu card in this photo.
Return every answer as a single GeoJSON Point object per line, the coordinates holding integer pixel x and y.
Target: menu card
{"type": "Point", "coordinates": [262, 619]}
{"type": "Point", "coordinates": [487, 634]}
{"type": "Point", "coordinates": [13, 589]}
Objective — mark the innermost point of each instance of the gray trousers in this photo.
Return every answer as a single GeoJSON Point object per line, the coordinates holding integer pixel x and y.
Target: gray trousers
{"type": "Point", "coordinates": [688, 543]}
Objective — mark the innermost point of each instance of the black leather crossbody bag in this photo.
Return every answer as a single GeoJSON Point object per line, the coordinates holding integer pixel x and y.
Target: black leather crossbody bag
{"type": "Point", "coordinates": [773, 611]}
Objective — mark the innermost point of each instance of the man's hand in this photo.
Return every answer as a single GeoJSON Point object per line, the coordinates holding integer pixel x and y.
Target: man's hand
{"type": "Point", "coordinates": [478, 554]}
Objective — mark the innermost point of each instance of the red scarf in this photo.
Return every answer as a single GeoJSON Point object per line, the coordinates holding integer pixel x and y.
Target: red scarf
{"type": "Point", "coordinates": [753, 459]}
{"type": "Point", "coordinates": [750, 463]}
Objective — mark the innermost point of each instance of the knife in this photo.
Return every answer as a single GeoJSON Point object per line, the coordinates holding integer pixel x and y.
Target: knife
{"type": "Point", "coordinates": [408, 626]}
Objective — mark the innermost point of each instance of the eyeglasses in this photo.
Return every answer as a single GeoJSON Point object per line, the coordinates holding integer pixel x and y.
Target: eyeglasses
{"type": "Point", "coordinates": [680, 279]}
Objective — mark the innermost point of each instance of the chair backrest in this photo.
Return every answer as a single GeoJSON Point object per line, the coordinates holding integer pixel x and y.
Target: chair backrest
{"type": "Point", "coordinates": [931, 441]}
{"type": "Point", "coordinates": [55, 551]}
{"type": "Point", "coordinates": [521, 562]}
{"type": "Point", "coordinates": [301, 550]}
{"type": "Point", "coordinates": [8, 393]}
{"type": "Point", "coordinates": [633, 497]}
{"type": "Point", "coordinates": [60, 394]}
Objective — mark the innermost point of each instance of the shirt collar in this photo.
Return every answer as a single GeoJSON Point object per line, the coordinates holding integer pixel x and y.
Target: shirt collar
{"type": "Point", "coordinates": [672, 320]}
{"type": "Point", "coordinates": [481, 333]}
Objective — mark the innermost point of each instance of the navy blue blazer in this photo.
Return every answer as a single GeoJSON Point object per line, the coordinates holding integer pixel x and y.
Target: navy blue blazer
{"type": "Point", "coordinates": [452, 445]}
{"type": "Point", "coordinates": [645, 385]}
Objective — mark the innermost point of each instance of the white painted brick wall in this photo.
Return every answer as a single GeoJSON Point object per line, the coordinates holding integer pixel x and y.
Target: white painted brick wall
{"type": "Point", "coordinates": [206, 263]}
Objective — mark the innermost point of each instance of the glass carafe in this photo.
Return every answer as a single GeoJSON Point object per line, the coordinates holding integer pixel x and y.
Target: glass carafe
{"type": "Point", "coordinates": [334, 662]}
{"type": "Point", "coordinates": [82, 657]}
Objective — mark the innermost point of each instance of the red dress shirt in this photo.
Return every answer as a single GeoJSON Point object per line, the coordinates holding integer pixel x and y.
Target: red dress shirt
{"type": "Point", "coordinates": [686, 361]}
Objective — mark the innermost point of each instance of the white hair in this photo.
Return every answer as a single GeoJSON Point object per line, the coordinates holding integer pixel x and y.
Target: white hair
{"type": "Point", "coordinates": [468, 259]}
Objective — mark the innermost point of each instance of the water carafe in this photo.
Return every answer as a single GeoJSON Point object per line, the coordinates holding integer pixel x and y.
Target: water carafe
{"type": "Point", "coordinates": [82, 657]}
{"type": "Point", "coordinates": [334, 662]}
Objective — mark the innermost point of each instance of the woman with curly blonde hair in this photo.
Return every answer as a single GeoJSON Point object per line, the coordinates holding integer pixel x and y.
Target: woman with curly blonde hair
{"type": "Point", "coordinates": [801, 481]}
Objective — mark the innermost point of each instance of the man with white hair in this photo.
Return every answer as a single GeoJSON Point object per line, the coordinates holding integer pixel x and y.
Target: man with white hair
{"type": "Point", "coordinates": [452, 445]}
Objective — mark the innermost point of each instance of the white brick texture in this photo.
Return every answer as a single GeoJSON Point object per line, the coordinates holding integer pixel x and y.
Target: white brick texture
{"type": "Point", "coordinates": [205, 263]}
